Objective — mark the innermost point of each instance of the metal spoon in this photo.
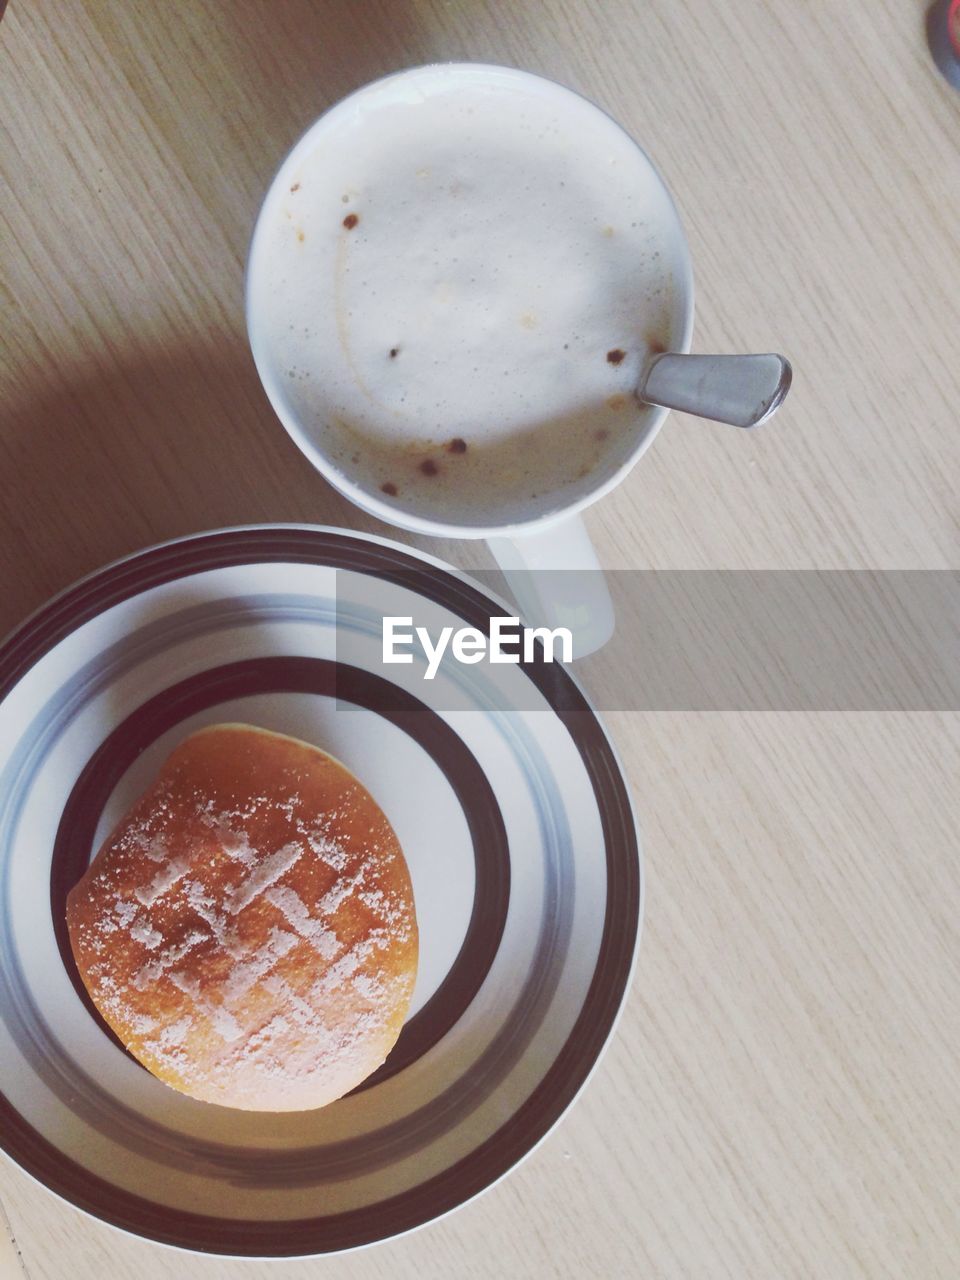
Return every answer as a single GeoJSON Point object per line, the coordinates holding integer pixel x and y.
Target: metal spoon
{"type": "Point", "coordinates": [741, 390]}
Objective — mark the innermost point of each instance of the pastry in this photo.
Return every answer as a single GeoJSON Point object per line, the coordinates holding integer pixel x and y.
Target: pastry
{"type": "Point", "coordinates": [248, 929]}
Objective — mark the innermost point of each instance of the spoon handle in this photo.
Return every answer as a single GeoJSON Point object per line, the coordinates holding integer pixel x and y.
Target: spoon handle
{"type": "Point", "coordinates": [741, 390]}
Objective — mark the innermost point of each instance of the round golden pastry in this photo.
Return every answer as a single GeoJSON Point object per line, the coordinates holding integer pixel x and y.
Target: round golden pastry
{"type": "Point", "coordinates": [248, 929]}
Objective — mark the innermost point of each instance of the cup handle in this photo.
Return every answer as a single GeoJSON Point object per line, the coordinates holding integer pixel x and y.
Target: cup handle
{"type": "Point", "coordinates": [556, 579]}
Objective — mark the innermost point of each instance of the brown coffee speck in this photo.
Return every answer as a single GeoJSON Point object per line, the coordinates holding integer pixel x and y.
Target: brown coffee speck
{"type": "Point", "coordinates": [351, 220]}
{"type": "Point", "coordinates": [456, 445]}
{"type": "Point", "coordinates": [295, 187]}
{"type": "Point", "coordinates": [394, 352]}
{"type": "Point", "coordinates": [389, 488]}
{"type": "Point", "coordinates": [429, 467]}
{"type": "Point", "coordinates": [601, 433]}
{"type": "Point", "coordinates": [616, 356]}
{"type": "Point", "coordinates": [656, 345]}
{"type": "Point", "coordinates": [300, 236]}
{"type": "Point", "coordinates": [616, 402]}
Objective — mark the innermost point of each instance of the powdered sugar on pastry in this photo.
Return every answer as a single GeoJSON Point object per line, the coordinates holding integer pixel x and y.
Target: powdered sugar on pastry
{"type": "Point", "coordinates": [249, 929]}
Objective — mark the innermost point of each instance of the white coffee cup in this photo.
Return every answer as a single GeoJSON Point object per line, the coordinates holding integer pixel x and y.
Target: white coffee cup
{"type": "Point", "coordinates": [552, 536]}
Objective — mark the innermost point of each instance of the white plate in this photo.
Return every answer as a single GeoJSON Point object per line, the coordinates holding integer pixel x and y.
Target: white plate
{"type": "Point", "coordinates": [511, 809]}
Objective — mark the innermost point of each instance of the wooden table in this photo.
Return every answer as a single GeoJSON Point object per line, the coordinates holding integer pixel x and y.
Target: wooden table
{"type": "Point", "coordinates": [781, 1099]}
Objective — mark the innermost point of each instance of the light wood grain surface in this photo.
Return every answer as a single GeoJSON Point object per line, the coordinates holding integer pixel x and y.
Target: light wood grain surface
{"type": "Point", "coordinates": [781, 1098]}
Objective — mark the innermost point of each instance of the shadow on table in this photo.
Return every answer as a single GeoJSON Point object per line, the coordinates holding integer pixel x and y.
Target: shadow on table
{"type": "Point", "coordinates": [155, 445]}
{"type": "Point", "coordinates": [164, 437]}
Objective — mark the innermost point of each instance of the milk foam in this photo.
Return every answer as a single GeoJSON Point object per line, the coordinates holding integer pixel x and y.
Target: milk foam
{"type": "Point", "coordinates": [458, 277]}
